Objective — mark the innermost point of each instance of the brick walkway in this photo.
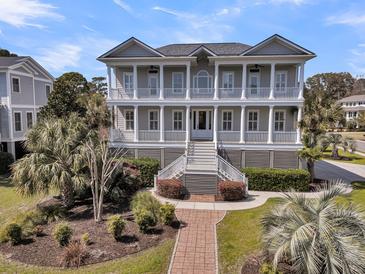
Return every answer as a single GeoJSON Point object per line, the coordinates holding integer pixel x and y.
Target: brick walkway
{"type": "Point", "coordinates": [195, 250]}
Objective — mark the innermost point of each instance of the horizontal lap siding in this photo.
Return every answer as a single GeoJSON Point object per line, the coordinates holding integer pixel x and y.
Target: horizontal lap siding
{"type": "Point", "coordinates": [200, 183]}
{"type": "Point", "coordinates": [233, 157]}
{"type": "Point", "coordinates": [257, 158]}
{"type": "Point", "coordinates": [285, 159]}
{"type": "Point", "coordinates": [171, 154]}
{"type": "Point", "coordinates": [152, 153]}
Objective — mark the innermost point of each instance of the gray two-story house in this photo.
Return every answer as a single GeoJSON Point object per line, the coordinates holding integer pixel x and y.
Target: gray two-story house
{"type": "Point", "coordinates": [24, 87]}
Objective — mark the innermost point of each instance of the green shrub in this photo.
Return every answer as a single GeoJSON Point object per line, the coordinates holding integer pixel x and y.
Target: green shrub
{"type": "Point", "coordinates": [167, 213]}
{"type": "Point", "coordinates": [62, 233]}
{"type": "Point", "coordinates": [52, 211]}
{"type": "Point", "coordinates": [268, 269]}
{"type": "Point", "coordinates": [274, 179]}
{"type": "Point", "coordinates": [38, 230]}
{"type": "Point", "coordinates": [170, 188]}
{"type": "Point", "coordinates": [28, 220]}
{"type": "Point", "coordinates": [231, 190]}
{"type": "Point", "coordinates": [147, 167]}
{"type": "Point", "coordinates": [13, 233]}
{"type": "Point", "coordinates": [144, 219]}
{"type": "Point", "coordinates": [85, 239]}
{"type": "Point", "coordinates": [6, 159]}
{"type": "Point", "coordinates": [116, 225]}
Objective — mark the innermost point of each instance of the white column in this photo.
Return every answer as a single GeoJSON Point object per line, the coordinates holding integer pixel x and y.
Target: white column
{"type": "Point", "coordinates": [244, 81]}
{"type": "Point", "coordinates": [272, 81]}
{"type": "Point", "coordinates": [109, 79]}
{"type": "Point", "coordinates": [299, 118]}
{"type": "Point", "coordinates": [136, 123]}
{"type": "Point", "coordinates": [242, 128]}
{"type": "Point", "coordinates": [296, 83]}
{"type": "Point", "coordinates": [162, 123]}
{"type": "Point", "coordinates": [215, 123]}
{"type": "Point", "coordinates": [188, 82]}
{"type": "Point", "coordinates": [271, 116]}
{"type": "Point", "coordinates": [216, 77]}
{"type": "Point", "coordinates": [301, 81]}
{"type": "Point", "coordinates": [187, 123]}
{"type": "Point", "coordinates": [135, 82]}
{"type": "Point", "coordinates": [161, 83]}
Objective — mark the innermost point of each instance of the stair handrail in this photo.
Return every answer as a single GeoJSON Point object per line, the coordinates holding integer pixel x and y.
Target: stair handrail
{"type": "Point", "coordinates": [225, 167]}
{"type": "Point", "coordinates": [173, 168]}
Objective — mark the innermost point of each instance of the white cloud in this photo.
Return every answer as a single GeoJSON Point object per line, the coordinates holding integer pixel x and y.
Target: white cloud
{"type": "Point", "coordinates": [88, 28]}
{"type": "Point", "coordinates": [22, 13]}
{"type": "Point", "coordinates": [294, 2]}
{"type": "Point", "coordinates": [123, 5]}
{"type": "Point", "coordinates": [357, 60]}
{"type": "Point", "coordinates": [350, 18]}
{"type": "Point", "coordinates": [229, 11]}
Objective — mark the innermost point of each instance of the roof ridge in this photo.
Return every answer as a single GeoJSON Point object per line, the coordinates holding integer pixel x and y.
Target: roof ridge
{"type": "Point", "coordinates": [203, 43]}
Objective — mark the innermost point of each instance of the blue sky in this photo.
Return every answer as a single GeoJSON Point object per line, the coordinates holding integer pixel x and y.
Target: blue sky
{"type": "Point", "coordinates": [68, 35]}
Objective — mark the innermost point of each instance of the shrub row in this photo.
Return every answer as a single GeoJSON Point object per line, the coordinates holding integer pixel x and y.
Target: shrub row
{"type": "Point", "coordinates": [232, 190]}
{"type": "Point", "coordinates": [170, 188]}
{"type": "Point", "coordinates": [147, 168]}
{"type": "Point", "coordinates": [274, 179]}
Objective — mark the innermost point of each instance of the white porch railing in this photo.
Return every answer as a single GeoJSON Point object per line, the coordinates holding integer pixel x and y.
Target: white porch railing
{"type": "Point", "coordinates": [287, 93]}
{"type": "Point", "coordinates": [149, 135]}
{"type": "Point", "coordinates": [117, 135]}
{"type": "Point", "coordinates": [229, 136]}
{"type": "Point", "coordinates": [256, 137]}
{"type": "Point", "coordinates": [226, 170]}
{"type": "Point", "coordinates": [121, 93]}
{"type": "Point", "coordinates": [174, 135]}
{"type": "Point", "coordinates": [257, 93]}
{"type": "Point", "coordinates": [202, 93]}
{"type": "Point", "coordinates": [173, 169]}
{"type": "Point", "coordinates": [230, 93]}
{"type": "Point", "coordinates": [148, 93]}
{"type": "Point", "coordinates": [285, 137]}
{"type": "Point", "coordinates": [175, 93]}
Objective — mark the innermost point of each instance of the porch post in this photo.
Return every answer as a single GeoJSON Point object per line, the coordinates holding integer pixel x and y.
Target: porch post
{"type": "Point", "coordinates": [242, 129]}
{"type": "Point", "coordinates": [187, 124]}
{"type": "Point", "coordinates": [272, 81]}
{"type": "Point", "coordinates": [188, 82]}
{"type": "Point", "coordinates": [162, 123]}
{"type": "Point", "coordinates": [271, 116]}
{"type": "Point", "coordinates": [244, 81]}
{"type": "Point", "coordinates": [109, 81]}
{"type": "Point", "coordinates": [216, 76]}
{"type": "Point", "coordinates": [136, 123]}
{"type": "Point", "coordinates": [299, 118]}
{"type": "Point", "coordinates": [161, 83]}
{"type": "Point", "coordinates": [301, 81]}
{"type": "Point", "coordinates": [135, 82]}
{"type": "Point", "coordinates": [215, 123]}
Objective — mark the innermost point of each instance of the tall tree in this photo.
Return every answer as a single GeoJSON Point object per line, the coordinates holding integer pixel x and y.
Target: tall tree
{"type": "Point", "coordinates": [98, 85]}
{"type": "Point", "coordinates": [6, 53]}
{"type": "Point", "coordinates": [63, 100]}
{"type": "Point", "coordinates": [359, 87]}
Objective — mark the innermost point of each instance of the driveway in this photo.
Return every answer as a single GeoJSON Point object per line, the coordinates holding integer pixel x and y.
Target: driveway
{"type": "Point", "coordinates": [333, 170]}
{"type": "Point", "coordinates": [360, 145]}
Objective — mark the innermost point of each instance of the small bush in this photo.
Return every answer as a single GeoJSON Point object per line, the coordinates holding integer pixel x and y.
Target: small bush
{"type": "Point", "coordinates": [38, 230]}
{"type": "Point", "coordinates": [62, 233]}
{"type": "Point", "coordinates": [268, 269]}
{"type": "Point", "coordinates": [6, 159]}
{"type": "Point", "coordinates": [170, 188]}
{"type": "Point", "coordinates": [74, 255]}
{"type": "Point", "coordinates": [147, 167]}
{"type": "Point", "coordinates": [85, 239]}
{"type": "Point", "coordinates": [167, 213]}
{"type": "Point", "coordinates": [275, 179]}
{"type": "Point", "coordinates": [52, 210]}
{"type": "Point", "coordinates": [28, 220]}
{"type": "Point", "coordinates": [13, 233]}
{"type": "Point", "coordinates": [231, 190]}
{"type": "Point", "coordinates": [116, 225]}
{"type": "Point", "coordinates": [144, 219]}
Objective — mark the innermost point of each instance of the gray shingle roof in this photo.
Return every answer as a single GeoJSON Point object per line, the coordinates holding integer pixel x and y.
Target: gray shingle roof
{"type": "Point", "coordinates": [217, 48]}
{"type": "Point", "coordinates": [353, 98]}
{"type": "Point", "coordinates": [9, 61]}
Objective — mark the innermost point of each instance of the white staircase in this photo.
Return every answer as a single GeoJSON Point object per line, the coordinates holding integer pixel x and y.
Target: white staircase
{"type": "Point", "coordinates": [201, 156]}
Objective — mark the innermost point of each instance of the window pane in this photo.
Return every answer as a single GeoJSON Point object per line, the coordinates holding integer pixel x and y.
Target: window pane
{"type": "Point", "coordinates": [18, 122]}
{"type": "Point", "coordinates": [16, 85]}
{"type": "Point", "coordinates": [29, 120]}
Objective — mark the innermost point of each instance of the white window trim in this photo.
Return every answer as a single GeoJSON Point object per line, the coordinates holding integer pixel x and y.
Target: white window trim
{"type": "Point", "coordinates": [222, 120]}
{"type": "Point", "coordinates": [228, 72]}
{"type": "Point", "coordinates": [12, 85]}
{"type": "Point", "coordinates": [149, 119]}
{"type": "Point", "coordinates": [258, 78]}
{"type": "Point", "coordinates": [286, 79]}
{"type": "Point", "coordinates": [125, 119]}
{"type": "Point", "coordinates": [130, 74]}
{"type": "Point", "coordinates": [209, 89]}
{"type": "Point", "coordinates": [258, 119]}
{"type": "Point", "coordinates": [26, 119]}
{"type": "Point", "coordinates": [21, 122]}
{"type": "Point", "coordinates": [173, 81]}
{"type": "Point", "coordinates": [173, 120]}
{"type": "Point", "coordinates": [280, 110]}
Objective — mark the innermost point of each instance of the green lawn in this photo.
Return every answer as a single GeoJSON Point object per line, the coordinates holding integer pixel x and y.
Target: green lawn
{"type": "Point", "coordinates": [153, 260]}
{"type": "Point", "coordinates": [352, 158]}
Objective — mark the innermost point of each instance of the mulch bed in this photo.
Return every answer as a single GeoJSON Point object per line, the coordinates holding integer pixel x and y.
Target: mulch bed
{"type": "Point", "coordinates": [44, 251]}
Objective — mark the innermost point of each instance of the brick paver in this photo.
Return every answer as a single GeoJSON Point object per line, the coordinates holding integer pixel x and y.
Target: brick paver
{"type": "Point", "coordinates": [195, 250]}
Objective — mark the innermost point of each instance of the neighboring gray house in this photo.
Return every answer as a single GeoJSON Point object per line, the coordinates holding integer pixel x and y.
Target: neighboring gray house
{"type": "Point", "coordinates": [189, 104]}
{"type": "Point", "coordinates": [24, 88]}
{"type": "Point", "coordinates": [353, 106]}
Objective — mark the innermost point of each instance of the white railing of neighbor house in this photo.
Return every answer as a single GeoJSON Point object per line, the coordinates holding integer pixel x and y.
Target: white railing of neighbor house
{"type": "Point", "coordinates": [285, 137]}
{"type": "Point", "coordinates": [256, 136]}
{"type": "Point", "coordinates": [118, 135]}
{"type": "Point", "coordinates": [175, 93]}
{"type": "Point", "coordinates": [149, 135]}
{"type": "Point", "coordinates": [287, 93]}
{"type": "Point", "coordinates": [257, 93]}
{"type": "Point", "coordinates": [202, 93]}
{"type": "Point", "coordinates": [173, 169]}
{"type": "Point", "coordinates": [230, 93]}
{"type": "Point", "coordinates": [174, 135]}
{"type": "Point", "coordinates": [229, 136]}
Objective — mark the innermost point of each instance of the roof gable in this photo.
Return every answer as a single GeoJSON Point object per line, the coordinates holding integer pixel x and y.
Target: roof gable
{"type": "Point", "coordinates": [201, 49]}
{"type": "Point", "coordinates": [132, 48]}
{"type": "Point", "coordinates": [277, 45]}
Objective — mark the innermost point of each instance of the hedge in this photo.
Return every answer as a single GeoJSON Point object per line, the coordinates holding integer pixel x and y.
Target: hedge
{"type": "Point", "coordinates": [6, 159]}
{"type": "Point", "coordinates": [147, 168]}
{"type": "Point", "coordinates": [275, 179]}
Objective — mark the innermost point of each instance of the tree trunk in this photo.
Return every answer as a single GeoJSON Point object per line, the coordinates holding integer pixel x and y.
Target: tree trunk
{"type": "Point", "coordinates": [68, 195]}
{"type": "Point", "coordinates": [310, 166]}
{"type": "Point", "coordinates": [335, 153]}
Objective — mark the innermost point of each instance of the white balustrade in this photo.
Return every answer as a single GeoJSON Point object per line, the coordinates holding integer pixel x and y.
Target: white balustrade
{"type": "Point", "coordinates": [202, 93]}
{"type": "Point", "coordinates": [148, 93]}
{"type": "Point", "coordinates": [285, 137]}
{"type": "Point", "coordinates": [256, 136]}
{"type": "Point", "coordinates": [175, 93]}
{"type": "Point", "coordinates": [174, 135]}
{"type": "Point", "coordinates": [173, 169]}
{"type": "Point", "coordinates": [258, 93]}
{"type": "Point", "coordinates": [230, 93]}
{"type": "Point", "coordinates": [149, 135]}
{"type": "Point", "coordinates": [118, 135]}
{"type": "Point", "coordinates": [286, 93]}
{"type": "Point", "coordinates": [121, 93]}
{"type": "Point", "coordinates": [229, 136]}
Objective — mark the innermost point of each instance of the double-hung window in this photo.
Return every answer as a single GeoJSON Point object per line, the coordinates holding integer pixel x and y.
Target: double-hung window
{"type": "Point", "coordinates": [253, 120]}
{"type": "Point", "coordinates": [48, 90]}
{"type": "Point", "coordinates": [16, 84]}
{"type": "Point", "coordinates": [129, 120]}
{"type": "Point", "coordinates": [177, 120]}
{"type": "Point", "coordinates": [227, 120]}
{"type": "Point", "coordinates": [228, 80]}
{"type": "Point", "coordinates": [29, 120]}
{"type": "Point", "coordinates": [177, 82]}
{"type": "Point", "coordinates": [279, 120]}
{"type": "Point", "coordinates": [128, 81]}
{"type": "Point", "coordinates": [18, 121]}
{"type": "Point", "coordinates": [153, 120]}
{"type": "Point", "coordinates": [254, 82]}
{"type": "Point", "coordinates": [153, 84]}
{"type": "Point", "coordinates": [280, 81]}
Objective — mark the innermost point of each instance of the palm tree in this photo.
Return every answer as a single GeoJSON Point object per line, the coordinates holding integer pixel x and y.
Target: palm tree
{"type": "Point", "coordinates": [349, 144]}
{"type": "Point", "coordinates": [334, 140]}
{"type": "Point", "coordinates": [310, 155]}
{"type": "Point", "coordinates": [316, 235]}
{"type": "Point", "coordinates": [54, 159]}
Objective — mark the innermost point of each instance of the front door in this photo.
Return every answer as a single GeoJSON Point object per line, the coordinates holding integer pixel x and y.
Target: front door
{"type": "Point", "coordinates": [202, 125]}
